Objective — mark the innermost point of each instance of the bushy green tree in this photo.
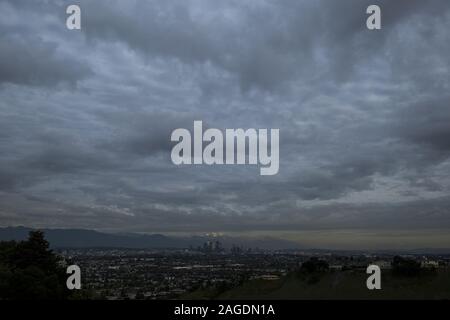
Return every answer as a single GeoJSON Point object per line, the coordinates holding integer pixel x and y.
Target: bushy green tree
{"type": "Point", "coordinates": [314, 265]}
{"type": "Point", "coordinates": [312, 270]}
{"type": "Point", "coordinates": [405, 267]}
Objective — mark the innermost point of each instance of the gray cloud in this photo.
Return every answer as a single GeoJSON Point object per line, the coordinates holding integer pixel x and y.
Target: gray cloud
{"type": "Point", "coordinates": [426, 123]}
{"type": "Point", "coordinates": [31, 51]}
{"type": "Point", "coordinates": [363, 115]}
{"type": "Point", "coordinates": [29, 60]}
{"type": "Point", "coordinates": [264, 46]}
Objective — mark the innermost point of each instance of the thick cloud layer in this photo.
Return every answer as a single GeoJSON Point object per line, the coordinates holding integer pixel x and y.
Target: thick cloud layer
{"type": "Point", "coordinates": [86, 116]}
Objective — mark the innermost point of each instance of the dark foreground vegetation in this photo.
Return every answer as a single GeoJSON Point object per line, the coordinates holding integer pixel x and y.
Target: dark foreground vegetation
{"type": "Point", "coordinates": [314, 280]}
{"type": "Point", "coordinates": [29, 270]}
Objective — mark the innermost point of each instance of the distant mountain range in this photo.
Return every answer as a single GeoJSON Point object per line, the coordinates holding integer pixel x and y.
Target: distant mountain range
{"type": "Point", "coordinates": [81, 238]}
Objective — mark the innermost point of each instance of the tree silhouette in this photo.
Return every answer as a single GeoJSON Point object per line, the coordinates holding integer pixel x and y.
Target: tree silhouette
{"type": "Point", "coordinates": [30, 270]}
{"type": "Point", "coordinates": [314, 265]}
{"type": "Point", "coordinates": [405, 267]}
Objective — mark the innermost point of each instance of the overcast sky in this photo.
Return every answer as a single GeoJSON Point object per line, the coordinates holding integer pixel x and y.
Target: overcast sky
{"type": "Point", "coordinates": [364, 116]}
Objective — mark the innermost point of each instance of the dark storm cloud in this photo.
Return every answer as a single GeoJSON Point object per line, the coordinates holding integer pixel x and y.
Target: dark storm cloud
{"type": "Point", "coordinates": [7, 181]}
{"type": "Point", "coordinates": [427, 123]}
{"type": "Point", "coordinates": [145, 133]}
{"type": "Point", "coordinates": [363, 115]}
{"type": "Point", "coordinates": [265, 46]}
{"type": "Point", "coordinates": [30, 52]}
{"type": "Point", "coordinates": [26, 59]}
